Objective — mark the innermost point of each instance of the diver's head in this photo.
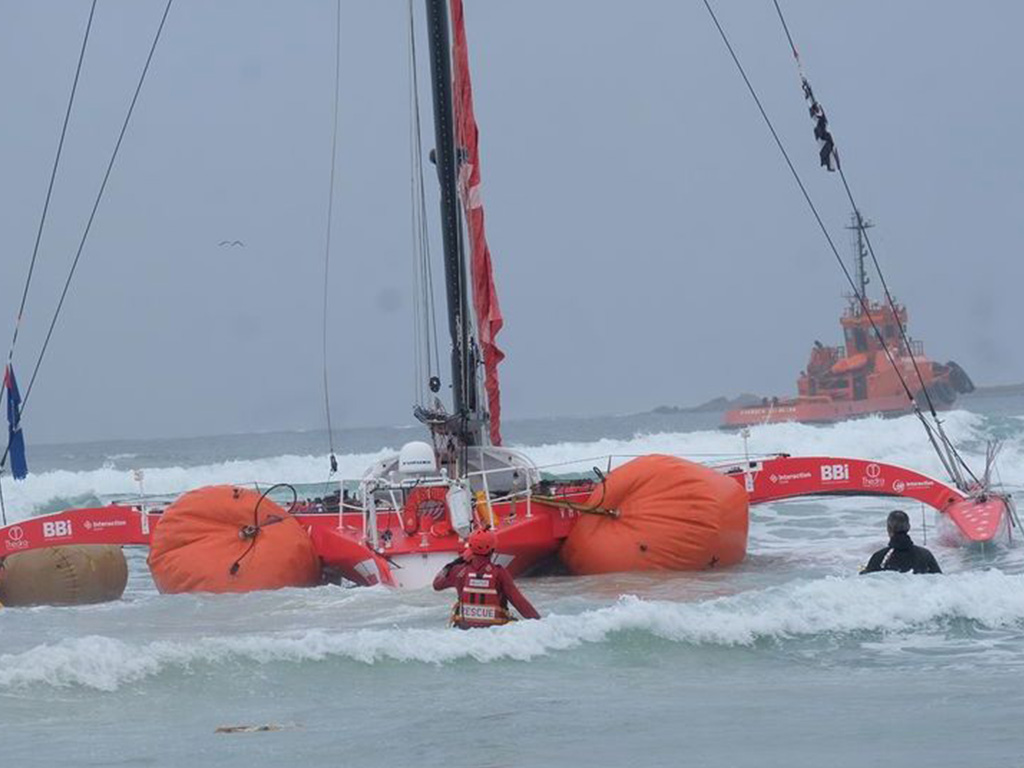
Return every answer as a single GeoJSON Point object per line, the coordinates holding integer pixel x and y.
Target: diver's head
{"type": "Point", "coordinates": [898, 522]}
{"type": "Point", "coordinates": [482, 542]}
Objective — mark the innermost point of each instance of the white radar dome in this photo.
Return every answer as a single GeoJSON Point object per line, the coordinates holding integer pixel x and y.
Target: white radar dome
{"type": "Point", "coordinates": [417, 458]}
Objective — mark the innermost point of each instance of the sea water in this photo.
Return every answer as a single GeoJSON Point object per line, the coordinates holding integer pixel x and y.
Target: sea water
{"type": "Point", "coordinates": [789, 659]}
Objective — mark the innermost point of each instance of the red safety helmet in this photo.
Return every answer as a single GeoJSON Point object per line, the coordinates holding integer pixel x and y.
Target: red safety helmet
{"type": "Point", "coordinates": [482, 542]}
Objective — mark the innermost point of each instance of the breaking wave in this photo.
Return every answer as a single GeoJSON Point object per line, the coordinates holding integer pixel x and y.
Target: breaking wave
{"type": "Point", "coordinates": [54, 490]}
{"type": "Point", "coordinates": [898, 441]}
{"type": "Point", "coordinates": [857, 609]}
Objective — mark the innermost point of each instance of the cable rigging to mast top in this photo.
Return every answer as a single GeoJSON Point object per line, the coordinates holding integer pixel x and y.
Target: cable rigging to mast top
{"type": "Point", "coordinates": [829, 158]}
{"type": "Point", "coordinates": [427, 382]}
{"type": "Point", "coordinates": [15, 443]}
{"type": "Point", "coordinates": [13, 440]}
{"type": "Point", "coordinates": [327, 239]}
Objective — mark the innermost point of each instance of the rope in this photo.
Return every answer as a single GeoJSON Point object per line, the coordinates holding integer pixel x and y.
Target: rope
{"type": "Point", "coordinates": [88, 226]}
{"type": "Point", "coordinates": [252, 531]}
{"type": "Point", "coordinates": [425, 314]}
{"type": "Point", "coordinates": [828, 238]}
{"type": "Point", "coordinates": [785, 27]}
{"type": "Point", "coordinates": [49, 188]}
{"type": "Point", "coordinates": [39, 229]}
{"type": "Point", "coordinates": [327, 243]}
{"type": "Point", "coordinates": [419, 340]}
{"type": "Point", "coordinates": [95, 208]}
{"type": "Point", "coordinates": [597, 509]}
{"type": "Point", "coordinates": [554, 501]}
{"type": "Point", "coordinates": [953, 454]}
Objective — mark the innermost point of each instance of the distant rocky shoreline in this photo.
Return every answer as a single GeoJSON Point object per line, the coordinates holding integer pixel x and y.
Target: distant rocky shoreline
{"type": "Point", "coordinates": [998, 390]}
{"type": "Point", "coordinates": [723, 404]}
{"type": "Point", "coordinates": [716, 405]}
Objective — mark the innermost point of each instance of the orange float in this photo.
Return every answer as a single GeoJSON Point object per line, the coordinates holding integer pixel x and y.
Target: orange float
{"type": "Point", "coordinates": [225, 539]}
{"type": "Point", "coordinates": [672, 515]}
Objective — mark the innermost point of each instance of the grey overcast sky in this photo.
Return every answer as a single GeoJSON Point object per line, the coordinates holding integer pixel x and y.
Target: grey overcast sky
{"type": "Point", "coordinates": [649, 245]}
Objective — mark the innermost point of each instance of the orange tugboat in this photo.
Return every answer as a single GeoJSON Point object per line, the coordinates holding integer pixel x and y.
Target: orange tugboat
{"type": "Point", "coordinates": [858, 379]}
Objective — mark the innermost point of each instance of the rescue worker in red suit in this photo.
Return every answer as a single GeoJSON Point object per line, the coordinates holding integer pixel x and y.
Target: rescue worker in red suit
{"type": "Point", "coordinates": [485, 588]}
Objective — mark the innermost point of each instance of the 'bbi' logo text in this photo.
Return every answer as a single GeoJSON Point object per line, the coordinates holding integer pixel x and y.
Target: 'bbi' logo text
{"type": "Point", "coordinates": [57, 529]}
{"type": "Point", "coordinates": [832, 473]}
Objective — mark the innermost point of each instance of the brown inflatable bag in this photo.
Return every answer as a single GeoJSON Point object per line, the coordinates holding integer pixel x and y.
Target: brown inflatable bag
{"type": "Point", "coordinates": [69, 575]}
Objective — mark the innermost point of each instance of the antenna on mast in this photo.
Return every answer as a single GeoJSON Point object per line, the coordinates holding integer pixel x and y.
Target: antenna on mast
{"type": "Point", "coordinates": [859, 225]}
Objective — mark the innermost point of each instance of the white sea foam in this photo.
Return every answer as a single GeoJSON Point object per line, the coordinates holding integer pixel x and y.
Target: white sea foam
{"type": "Point", "coordinates": [899, 441]}
{"type": "Point", "coordinates": [889, 603]}
{"type": "Point", "coordinates": [40, 489]}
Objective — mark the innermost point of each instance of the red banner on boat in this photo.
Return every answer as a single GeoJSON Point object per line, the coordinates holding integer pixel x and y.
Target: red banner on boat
{"type": "Point", "coordinates": [485, 297]}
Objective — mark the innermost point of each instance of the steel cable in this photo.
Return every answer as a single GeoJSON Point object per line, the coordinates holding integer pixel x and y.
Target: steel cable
{"type": "Point", "coordinates": [951, 470]}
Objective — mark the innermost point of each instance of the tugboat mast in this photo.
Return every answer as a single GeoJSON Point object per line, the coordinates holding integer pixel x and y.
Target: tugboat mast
{"type": "Point", "coordinates": [859, 224]}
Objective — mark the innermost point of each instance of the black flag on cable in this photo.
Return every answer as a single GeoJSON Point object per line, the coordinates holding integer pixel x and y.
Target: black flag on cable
{"type": "Point", "coordinates": [15, 439]}
{"type": "Point", "coordinates": [826, 144]}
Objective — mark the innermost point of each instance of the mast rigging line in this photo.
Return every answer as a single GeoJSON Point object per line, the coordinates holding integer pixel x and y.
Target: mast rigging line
{"type": "Point", "coordinates": [447, 161]}
{"type": "Point", "coordinates": [327, 240]}
{"type": "Point", "coordinates": [40, 228]}
{"type": "Point", "coordinates": [954, 455]}
{"type": "Point", "coordinates": [427, 355]}
{"type": "Point", "coordinates": [92, 216]}
{"type": "Point", "coordinates": [53, 178]}
{"type": "Point", "coordinates": [828, 238]}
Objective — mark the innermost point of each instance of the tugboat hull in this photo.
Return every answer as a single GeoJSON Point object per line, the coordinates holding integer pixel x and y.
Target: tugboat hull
{"type": "Point", "coordinates": [816, 411]}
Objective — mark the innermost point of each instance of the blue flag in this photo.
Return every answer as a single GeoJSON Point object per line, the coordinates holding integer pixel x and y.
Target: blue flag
{"type": "Point", "coordinates": [15, 440]}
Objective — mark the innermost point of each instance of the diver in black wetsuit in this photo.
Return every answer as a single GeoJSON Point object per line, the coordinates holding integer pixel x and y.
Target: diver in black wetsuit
{"type": "Point", "coordinates": [902, 554]}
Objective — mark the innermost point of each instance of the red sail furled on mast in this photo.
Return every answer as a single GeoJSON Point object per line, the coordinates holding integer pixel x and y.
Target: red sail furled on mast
{"type": "Point", "coordinates": [485, 297]}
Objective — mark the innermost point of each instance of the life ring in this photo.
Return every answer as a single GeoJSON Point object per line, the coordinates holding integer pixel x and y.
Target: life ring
{"type": "Point", "coordinates": [425, 501]}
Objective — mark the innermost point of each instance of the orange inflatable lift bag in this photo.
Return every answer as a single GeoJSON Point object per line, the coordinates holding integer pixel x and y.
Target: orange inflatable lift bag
{"type": "Point", "coordinates": [673, 515]}
{"type": "Point", "coordinates": [215, 539]}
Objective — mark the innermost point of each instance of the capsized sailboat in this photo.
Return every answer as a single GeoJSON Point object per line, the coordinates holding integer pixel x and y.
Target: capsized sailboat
{"type": "Point", "coordinates": [402, 541]}
{"type": "Point", "coordinates": [417, 507]}
{"type": "Point", "coordinates": [413, 511]}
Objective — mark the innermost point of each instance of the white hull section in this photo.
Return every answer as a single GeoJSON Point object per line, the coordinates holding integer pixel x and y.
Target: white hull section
{"type": "Point", "coordinates": [416, 571]}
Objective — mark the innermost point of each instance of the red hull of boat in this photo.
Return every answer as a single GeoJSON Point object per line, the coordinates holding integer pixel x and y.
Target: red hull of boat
{"type": "Point", "coordinates": [531, 530]}
{"type": "Point", "coordinates": [527, 535]}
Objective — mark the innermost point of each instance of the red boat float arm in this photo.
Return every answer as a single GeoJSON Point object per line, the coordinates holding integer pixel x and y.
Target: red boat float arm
{"type": "Point", "coordinates": [115, 524]}
{"type": "Point", "coordinates": [978, 519]}
{"type": "Point", "coordinates": [346, 554]}
{"type": "Point", "coordinates": [788, 477]}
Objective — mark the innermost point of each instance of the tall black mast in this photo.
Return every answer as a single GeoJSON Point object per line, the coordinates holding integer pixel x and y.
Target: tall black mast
{"type": "Point", "coordinates": [446, 159]}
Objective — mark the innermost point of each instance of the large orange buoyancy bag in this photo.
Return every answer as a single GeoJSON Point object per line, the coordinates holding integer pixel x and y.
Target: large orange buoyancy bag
{"type": "Point", "coordinates": [673, 515]}
{"type": "Point", "coordinates": [68, 575]}
{"type": "Point", "coordinates": [206, 532]}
